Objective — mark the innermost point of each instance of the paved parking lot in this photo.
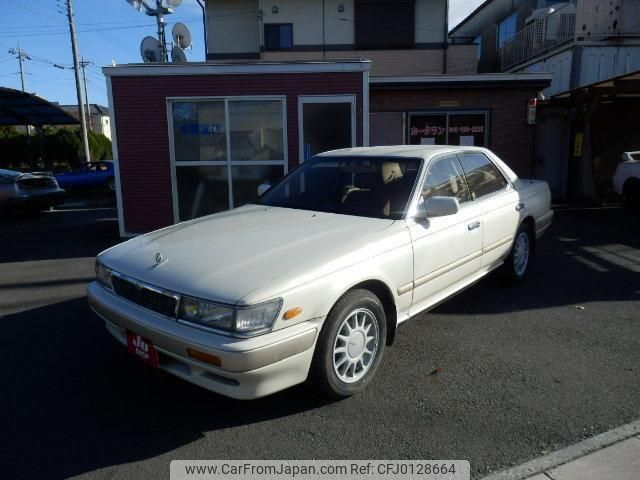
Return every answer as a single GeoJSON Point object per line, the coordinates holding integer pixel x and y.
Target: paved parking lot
{"type": "Point", "coordinates": [524, 370]}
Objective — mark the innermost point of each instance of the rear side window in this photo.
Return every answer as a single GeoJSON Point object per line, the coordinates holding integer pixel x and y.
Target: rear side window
{"type": "Point", "coordinates": [445, 178]}
{"type": "Point", "coordinates": [483, 177]}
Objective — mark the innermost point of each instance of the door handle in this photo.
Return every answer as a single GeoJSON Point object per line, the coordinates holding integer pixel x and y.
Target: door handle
{"type": "Point", "coordinates": [519, 206]}
{"type": "Point", "coordinates": [473, 226]}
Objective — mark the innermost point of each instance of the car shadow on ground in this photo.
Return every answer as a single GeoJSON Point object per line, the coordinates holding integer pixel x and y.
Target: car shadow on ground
{"type": "Point", "coordinates": [590, 255]}
{"type": "Point", "coordinates": [57, 234]}
{"type": "Point", "coordinates": [75, 401]}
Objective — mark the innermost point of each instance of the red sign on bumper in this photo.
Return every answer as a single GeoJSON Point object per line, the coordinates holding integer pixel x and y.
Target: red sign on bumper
{"type": "Point", "coordinates": [142, 348]}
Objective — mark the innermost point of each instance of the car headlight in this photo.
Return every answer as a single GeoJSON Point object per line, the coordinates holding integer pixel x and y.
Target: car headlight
{"type": "Point", "coordinates": [250, 320]}
{"type": "Point", "coordinates": [257, 318]}
{"type": "Point", "coordinates": [103, 275]}
{"type": "Point", "coordinates": [207, 314]}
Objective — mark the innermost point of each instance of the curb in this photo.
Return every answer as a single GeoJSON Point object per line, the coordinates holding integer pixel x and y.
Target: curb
{"type": "Point", "coordinates": [567, 454]}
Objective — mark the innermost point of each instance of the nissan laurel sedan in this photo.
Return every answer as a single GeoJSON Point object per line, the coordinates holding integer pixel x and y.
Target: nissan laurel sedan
{"type": "Point", "coordinates": [311, 280]}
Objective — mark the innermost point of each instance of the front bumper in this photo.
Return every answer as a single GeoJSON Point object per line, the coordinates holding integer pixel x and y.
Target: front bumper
{"type": "Point", "coordinates": [250, 367]}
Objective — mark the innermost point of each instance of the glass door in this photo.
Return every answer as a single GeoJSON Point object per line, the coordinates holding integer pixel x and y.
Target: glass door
{"type": "Point", "coordinates": [327, 123]}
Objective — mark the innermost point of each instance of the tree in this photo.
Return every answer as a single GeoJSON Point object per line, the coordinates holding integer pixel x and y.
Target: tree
{"type": "Point", "coordinates": [8, 132]}
{"type": "Point", "coordinates": [61, 146]}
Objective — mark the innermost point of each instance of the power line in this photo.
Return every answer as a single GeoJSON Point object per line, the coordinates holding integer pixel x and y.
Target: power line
{"type": "Point", "coordinates": [143, 23]}
{"type": "Point", "coordinates": [35, 11]}
{"type": "Point", "coordinates": [80, 30]}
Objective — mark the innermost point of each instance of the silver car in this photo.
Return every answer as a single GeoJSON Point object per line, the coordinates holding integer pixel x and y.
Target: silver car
{"type": "Point", "coordinates": [28, 192]}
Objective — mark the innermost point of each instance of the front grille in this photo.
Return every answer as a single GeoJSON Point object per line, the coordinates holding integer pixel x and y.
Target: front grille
{"type": "Point", "coordinates": [145, 297]}
{"type": "Point", "coordinates": [39, 182]}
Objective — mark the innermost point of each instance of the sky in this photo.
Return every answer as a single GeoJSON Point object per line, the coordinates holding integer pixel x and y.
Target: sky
{"type": "Point", "coordinates": [107, 30]}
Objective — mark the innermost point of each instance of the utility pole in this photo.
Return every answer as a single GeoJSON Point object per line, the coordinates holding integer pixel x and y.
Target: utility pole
{"type": "Point", "coordinates": [76, 67]}
{"type": "Point", "coordinates": [159, 12]}
{"type": "Point", "coordinates": [21, 56]}
{"type": "Point", "coordinates": [161, 37]}
{"type": "Point", "coordinates": [84, 64]}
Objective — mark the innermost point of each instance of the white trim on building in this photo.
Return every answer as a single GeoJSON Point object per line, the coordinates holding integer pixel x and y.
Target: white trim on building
{"type": "Point", "coordinates": [202, 68]}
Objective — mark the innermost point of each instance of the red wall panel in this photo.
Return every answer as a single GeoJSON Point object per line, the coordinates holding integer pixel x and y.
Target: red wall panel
{"type": "Point", "coordinates": [509, 135]}
{"type": "Point", "coordinates": [140, 109]}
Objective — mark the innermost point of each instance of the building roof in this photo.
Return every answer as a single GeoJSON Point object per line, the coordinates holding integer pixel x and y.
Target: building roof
{"type": "Point", "coordinates": [212, 68]}
{"type": "Point", "coordinates": [476, 80]}
{"type": "Point", "coordinates": [94, 108]}
{"type": "Point", "coordinates": [22, 108]}
{"type": "Point", "coordinates": [489, 12]}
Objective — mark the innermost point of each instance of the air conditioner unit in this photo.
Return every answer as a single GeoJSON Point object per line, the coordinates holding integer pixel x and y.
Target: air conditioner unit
{"type": "Point", "coordinates": [538, 14]}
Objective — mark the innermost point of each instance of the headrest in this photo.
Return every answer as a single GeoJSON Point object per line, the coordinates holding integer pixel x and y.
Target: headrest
{"type": "Point", "coordinates": [391, 172]}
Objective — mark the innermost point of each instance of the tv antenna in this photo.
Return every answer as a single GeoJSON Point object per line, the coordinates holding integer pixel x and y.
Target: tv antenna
{"type": "Point", "coordinates": [158, 51]}
{"type": "Point", "coordinates": [177, 55]}
{"type": "Point", "coordinates": [151, 50]}
{"type": "Point", "coordinates": [181, 35]}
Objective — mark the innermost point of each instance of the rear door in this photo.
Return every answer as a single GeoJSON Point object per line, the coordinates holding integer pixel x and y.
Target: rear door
{"type": "Point", "coordinates": [498, 202]}
{"type": "Point", "coordinates": [446, 249]}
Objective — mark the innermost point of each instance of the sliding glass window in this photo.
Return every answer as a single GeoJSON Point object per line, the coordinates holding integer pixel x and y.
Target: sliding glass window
{"type": "Point", "coordinates": [223, 149]}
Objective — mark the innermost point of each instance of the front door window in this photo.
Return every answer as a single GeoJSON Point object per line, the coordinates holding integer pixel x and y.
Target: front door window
{"type": "Point", "coordinates": [327, 124]}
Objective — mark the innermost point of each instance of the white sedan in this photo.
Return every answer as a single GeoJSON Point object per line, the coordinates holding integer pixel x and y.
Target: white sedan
{"type": "Point", "coordinates": [311, 280]}
{"type": "Point", "coordinates": [626, 180]}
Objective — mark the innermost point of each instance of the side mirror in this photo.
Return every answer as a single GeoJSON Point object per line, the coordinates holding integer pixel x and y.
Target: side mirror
{"type": "Point", "coordinates": [263, 188]}
{"type": "Point", "coordinates": [437, 207]}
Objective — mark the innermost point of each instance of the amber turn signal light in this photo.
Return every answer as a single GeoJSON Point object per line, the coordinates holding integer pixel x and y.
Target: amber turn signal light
{"type": "Point", "coordinates": [204, 357]}
{"type": "Point", "coordinates": [294, 312]}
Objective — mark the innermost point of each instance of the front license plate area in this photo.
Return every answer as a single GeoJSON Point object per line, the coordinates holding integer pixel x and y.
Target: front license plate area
{"type": "Point", "coordinates": [143, 349]}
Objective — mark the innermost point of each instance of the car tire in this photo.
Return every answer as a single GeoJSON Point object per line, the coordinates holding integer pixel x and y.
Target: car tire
{"type": "Point", "coordinates": [516, 265]}
{"type": "Point", "coordinates": [350, 345]}
{"type": "Point", "coordinates": [631, 195]}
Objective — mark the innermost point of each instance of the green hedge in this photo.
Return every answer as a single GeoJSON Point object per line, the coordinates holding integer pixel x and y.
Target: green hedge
{"type": "Point", "coordinates": [62, 146]}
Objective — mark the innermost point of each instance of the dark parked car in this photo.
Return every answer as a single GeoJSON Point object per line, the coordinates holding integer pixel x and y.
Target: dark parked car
{"type": "Point", "coordinates": [90, 176]}
{"type": "Point", "coordinates": [28, 192]}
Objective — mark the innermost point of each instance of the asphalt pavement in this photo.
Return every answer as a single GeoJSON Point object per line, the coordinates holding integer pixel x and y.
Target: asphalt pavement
{"type": "Point", "coordinates": [497, 375]}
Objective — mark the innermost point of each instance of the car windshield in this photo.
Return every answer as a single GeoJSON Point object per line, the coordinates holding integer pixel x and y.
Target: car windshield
{"type": "Point", "coordinates": [374, 187]}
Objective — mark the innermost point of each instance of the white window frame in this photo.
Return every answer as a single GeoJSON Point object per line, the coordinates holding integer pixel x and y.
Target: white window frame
{"type": "Point", "coordinates": [228, 162]}
{"type": "Point", "coordinates": [302, 99]}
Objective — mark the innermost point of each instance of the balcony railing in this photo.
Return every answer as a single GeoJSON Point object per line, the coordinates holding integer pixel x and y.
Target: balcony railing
{"type": "Point", "coordinates": [557, 28]}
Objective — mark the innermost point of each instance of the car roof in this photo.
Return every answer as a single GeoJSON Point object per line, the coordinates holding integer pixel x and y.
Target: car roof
{"type": "Point", "coordinates": [9, 173]}
{"type": "Point", "coordinates": [400, 151]}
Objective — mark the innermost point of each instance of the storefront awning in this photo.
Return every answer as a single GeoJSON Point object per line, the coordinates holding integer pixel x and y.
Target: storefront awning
{"type": "Point", "coordinates": [21, 108]}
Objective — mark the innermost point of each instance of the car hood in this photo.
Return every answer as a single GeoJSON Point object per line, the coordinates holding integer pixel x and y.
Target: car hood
{"type": "Point", "coordinates": [225, 256]}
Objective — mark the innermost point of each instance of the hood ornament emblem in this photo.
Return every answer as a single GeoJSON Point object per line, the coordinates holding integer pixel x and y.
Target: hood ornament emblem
{"type": "Point", "coordinates": [159, 258]}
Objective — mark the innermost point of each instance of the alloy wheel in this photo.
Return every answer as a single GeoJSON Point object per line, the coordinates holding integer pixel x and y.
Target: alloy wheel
{"type": "Point", "coordinates": [356, 345]}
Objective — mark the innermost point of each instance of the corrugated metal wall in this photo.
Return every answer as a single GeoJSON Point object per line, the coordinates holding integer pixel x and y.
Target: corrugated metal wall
{"type": "Point", "coordinates": [559, 66]}
{"type": "Point", "coordinates": [600, 63]}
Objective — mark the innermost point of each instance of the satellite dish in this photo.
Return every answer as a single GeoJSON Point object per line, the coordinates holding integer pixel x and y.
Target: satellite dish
{"type": "Point", "coordinates": [137, 4]}
{"type": "Point", "coordinates": [181, 35]}
{"type": "Point", "coordinates": [177, 55]}
{"type": "Point", "coordinates": [151, 50]}
{"type": "Point", "coordinates": [174, 3]}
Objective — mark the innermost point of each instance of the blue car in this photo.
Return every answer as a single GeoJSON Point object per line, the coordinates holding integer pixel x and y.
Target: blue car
{"type": "Point", "coordinates": [90, 176]}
